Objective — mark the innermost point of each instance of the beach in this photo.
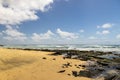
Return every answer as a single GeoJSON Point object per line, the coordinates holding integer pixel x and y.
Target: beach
{"type": "Point", "coordinates": [37, 65]}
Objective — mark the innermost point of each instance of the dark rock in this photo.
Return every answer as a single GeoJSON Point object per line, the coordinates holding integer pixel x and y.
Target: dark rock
{"type": "Point", "coordinates": [117, 60]}
{"type": "Point", "coordinates": [63, 57]}
{"type": "Point", "coordinates": [110, 75]}
{"type": "Point", "coordinates": [118, 67]}
{"type": "Point", "coordinates": [79, 65]}
{"type": "Point", "coordinates": [101, 69]}
{"type": "Point", "coordinates": [61, 71]}
{"type": "Point", "coordinates": [57, 53]}
{"type": "Point", "coordinates": [69, 74]}
{"type": "Point", "coordinates": [103, 63]}
{"type": "Point", "coordinates": [74, 73]}
{"type": "Point", "coordinates": [92, 72]}
{"type": "Point", "coordinates": [54, 58]}
{"type": "Point", "coordinates": [83, 66]}
{"type": "Point", "coordinates": [68, 56]}
{"type": "Point", "coordinates": [67, 65]}
{"type": "Point", "coordinates": [1, 45]}
{"type": "Point", "coordinates": [86, 74]}
{"type": "Point", "coordinates": [117, 77]}
{"type": "Point", "coordinates": [44, 58]}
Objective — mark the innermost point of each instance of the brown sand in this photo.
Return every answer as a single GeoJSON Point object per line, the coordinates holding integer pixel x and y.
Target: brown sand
{"type": "Point", "coordinates": [30, 65]}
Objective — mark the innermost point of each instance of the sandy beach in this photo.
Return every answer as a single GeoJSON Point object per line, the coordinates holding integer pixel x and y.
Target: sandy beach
{"type": "Point", "coordinates": [36, 65]}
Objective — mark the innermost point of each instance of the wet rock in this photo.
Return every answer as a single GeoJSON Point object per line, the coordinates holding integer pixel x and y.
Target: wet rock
{"type": "Point", "coordinates": [61, 71]}
{"type": "Point", "coordinates": [86, 73]}
{"type": "Point", "coordinates": [91, 72]}
{"type": "Point", "coordinates": [117, 55]}
{"type": "Point", "coordinates": [101, 69]}
{"type": "Point", "coordinates": [118, 67]}
{"type": "Point", "coordinates": [117, 60]}
{"type": "Point", "coordinates": [117, 77]}
{"type": "Point", "coordinates": [110, 75]}
{"type": "Point", "coordinates": [103, 63]}
{"type": "Point", "coordinates": [57, 53]}
{"type": "Point", "coordinates": [66, 56]}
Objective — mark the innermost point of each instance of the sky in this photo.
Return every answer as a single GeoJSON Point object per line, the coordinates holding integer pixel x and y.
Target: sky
{"type": "Point", "coordinates": [59, 21]}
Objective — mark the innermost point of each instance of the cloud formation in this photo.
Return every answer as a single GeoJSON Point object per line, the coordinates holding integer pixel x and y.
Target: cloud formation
{"type": "Point", "coordinates": [118, 36]}
{"type": "Point", "coordinates": [105, 26]}
{"type": "Point", "coordinates": [66, 35]}
{"type": "Point", "coordinates": [13, 12]}
{"type": "Point", "coordinates": [11, 34]}
{"type": "Point", "coordinates": [104, 32]}
{"type": "Point", "coordinates": [43, 36]}
{"type": "Point", "coordinates": [0, 33]}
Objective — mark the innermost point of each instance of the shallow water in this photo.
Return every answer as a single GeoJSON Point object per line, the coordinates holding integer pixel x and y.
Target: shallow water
{"type": "Point", "coordinates": [83, 47]}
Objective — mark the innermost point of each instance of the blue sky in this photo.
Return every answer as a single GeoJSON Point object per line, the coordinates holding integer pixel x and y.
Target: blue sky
{"type": "Point", "coordinates": [60, 22]}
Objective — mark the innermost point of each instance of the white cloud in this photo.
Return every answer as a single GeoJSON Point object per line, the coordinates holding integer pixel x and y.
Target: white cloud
{"type": "Point", "coordinates": [105, 26]}
{"type": "Point", "coordinates": [92, 37]}
{"type": "Point", "coordinates": [13, 34]}
{"type": "Point", "coordinates": [82, 31]}
{"type": "Point", "coordinates": [0, 33]}
{"type": "Point", "coordinates": [118, 36]}
{"type": "Point", "coordinates": [104, 32]}
{"type": "Point", "coordinates": [43, 36]}
{"type": "Point", "coordinates": [13, 12]}
{"type": "Point", "coordinates": [66, 35]}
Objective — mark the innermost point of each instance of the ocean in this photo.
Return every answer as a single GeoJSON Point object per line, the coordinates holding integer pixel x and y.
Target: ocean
{"type": "Point", "coordinates": [82, 47]}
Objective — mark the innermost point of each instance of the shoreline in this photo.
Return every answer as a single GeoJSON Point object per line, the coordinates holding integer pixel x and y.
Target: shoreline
{"type": "Point", "coordinates": [95, 67]}
{"type": "Point", "coordinates": [35, 65]}
{"type": "Point", "coordinates": [83, 47]}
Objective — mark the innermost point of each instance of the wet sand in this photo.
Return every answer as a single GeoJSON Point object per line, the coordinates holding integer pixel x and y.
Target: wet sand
{"type": "Point", "coordinates": [36, 65]}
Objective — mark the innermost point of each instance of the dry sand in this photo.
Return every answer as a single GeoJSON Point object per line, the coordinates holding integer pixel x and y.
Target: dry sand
{"type": "Point", "coordinates": [30, 65]}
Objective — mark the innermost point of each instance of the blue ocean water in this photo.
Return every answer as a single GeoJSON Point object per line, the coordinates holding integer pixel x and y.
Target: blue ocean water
{"type": "Point", "coordinates": [82, 47]}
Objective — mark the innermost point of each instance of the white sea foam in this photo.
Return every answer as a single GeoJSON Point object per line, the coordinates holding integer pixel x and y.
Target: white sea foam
{"type": "Point", "coordinates": [113, 48]}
